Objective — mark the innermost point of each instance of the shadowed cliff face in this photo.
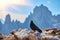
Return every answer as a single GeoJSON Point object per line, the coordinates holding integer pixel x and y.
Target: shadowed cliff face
{"type": "Point", "coordinates": [25, 34]}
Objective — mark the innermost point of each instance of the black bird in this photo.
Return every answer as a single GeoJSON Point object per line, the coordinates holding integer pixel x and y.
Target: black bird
{"type": "Point", "coordinates": [34, 27]}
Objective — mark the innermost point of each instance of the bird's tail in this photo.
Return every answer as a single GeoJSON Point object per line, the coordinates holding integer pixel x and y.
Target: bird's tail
{"type": "Point", "coordinates": [36, 28]}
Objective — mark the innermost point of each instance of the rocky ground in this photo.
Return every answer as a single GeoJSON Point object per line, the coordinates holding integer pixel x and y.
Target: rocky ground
{"type": "Point", "coordinates": [24, 34]}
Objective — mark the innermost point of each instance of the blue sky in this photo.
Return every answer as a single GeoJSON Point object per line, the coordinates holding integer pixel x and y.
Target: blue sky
{"type": "Point", "coordinates": [53, 5]}
{"type": "Point", "coordinates": [18, 8]}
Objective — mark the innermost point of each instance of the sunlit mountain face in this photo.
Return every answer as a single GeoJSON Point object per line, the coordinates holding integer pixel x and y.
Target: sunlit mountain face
{"type": "Point", "coordinates": [23, 8]}
{"type": "Point", "coordinates": [16, 14]}
{"type": "Point", "coordinates": [42, 17]}
{"type": "Point", "coordinates": [12, 7]}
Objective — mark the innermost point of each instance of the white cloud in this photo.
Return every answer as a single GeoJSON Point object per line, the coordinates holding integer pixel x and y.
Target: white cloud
{"type": "Point", "coordinates": [21, 2]}
{"type": "Point", "coordinates": [5, 3]}
{"type": "Point", "coordinates": [3, 14]}
{"type": "Point", "coordinates": [48, 2]}
{"type": "Point", "coordinates": [19, 17]}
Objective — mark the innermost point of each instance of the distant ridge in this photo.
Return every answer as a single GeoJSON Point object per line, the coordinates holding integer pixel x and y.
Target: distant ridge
{"type": "Point", "coordinates": [41, 16]}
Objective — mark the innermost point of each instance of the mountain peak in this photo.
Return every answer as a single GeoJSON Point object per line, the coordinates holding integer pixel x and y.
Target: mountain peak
{"type": "Point", "coordinates": [42, 5]}
{"type": "Point", "coordinates": [8, 19]}
{"type": "Point", "coordinates": [41, 16]}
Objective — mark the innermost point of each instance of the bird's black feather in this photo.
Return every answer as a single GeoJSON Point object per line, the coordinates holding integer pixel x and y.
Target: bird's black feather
{"type": "Point", "coordinates": [34, 27]}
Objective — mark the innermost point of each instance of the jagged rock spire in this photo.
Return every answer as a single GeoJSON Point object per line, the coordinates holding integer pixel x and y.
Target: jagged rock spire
{"type": "Point", "coordinates": [7, 19]}
{"type": "Point", "coordinates": [42, 5]}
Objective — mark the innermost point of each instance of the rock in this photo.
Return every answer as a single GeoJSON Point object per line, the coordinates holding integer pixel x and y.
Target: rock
{"type": "Point", "coordinates": [25, 34]}
{"type": "Point", "coordinates": [1, 36]}
{"type": "Point", "coordinates": [44, 38]}
{"type": "Point", "coordinates": [48, 29]}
